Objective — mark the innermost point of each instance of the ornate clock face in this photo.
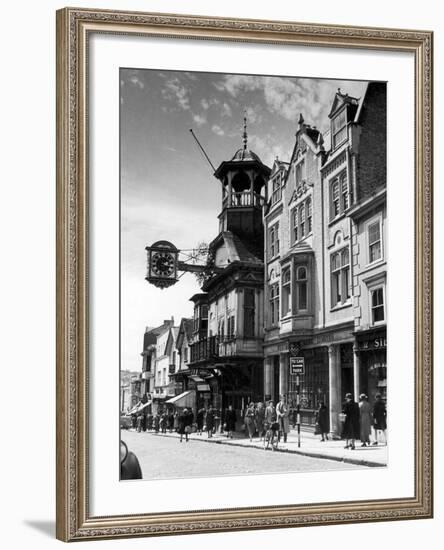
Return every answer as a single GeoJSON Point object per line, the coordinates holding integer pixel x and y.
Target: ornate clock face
{"type": "Point", "coordinates": [162, 264]}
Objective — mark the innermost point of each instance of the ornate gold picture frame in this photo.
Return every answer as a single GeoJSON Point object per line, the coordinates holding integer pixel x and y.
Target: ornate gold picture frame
{"type": "Point", "coordinates": [74, 30]}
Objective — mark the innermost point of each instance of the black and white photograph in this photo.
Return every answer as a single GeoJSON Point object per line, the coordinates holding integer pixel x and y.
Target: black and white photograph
{"type": "Point", "coordinates": [253, 274]}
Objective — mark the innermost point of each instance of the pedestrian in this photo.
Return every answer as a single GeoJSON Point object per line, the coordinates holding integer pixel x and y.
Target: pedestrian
{"type": "Point", "coordinates": [379, 418]}
{"type": "Point", "coordinates": [271, 426]}
{"type": "Point", "coordinates": [200, 417]}
{"type": "Point", "coordinates": [185, 421]}
{"type": "Point", "coordinates": [149, 422]}
{"type": "Point", "coordinates": [163, 422]}
{"type": "Point", "coordinates": [351, 430]}
{"type": "Point", "coordinates": [209, 421]}
{"type": "Point", "coordinates": [139, 422]}
{"type": "Point", "coordinates": [321, 426]}
{"type": "Point", "coordinates": [283, 412]}
{"type": "Point", "coordinates": [249, 420]}
{"type": "Point", "coordinates": [293, 414]}
{"type": "Point", "coordinates": [260, 419]}
{"type": "Point", "coordinates": [156, 422]}
{"type": "Point", "coordinates": [230, 421]}
{"type": "Point", "coordinates": [170, 421]}
{"type": "Point", "coordinates": [176, 421]}
{"type": "Point", "coordinates": [365, 420]}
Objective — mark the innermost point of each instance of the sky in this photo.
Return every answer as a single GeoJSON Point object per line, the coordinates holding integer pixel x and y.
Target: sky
{"type": "Point", "coordinates": [168, 191]}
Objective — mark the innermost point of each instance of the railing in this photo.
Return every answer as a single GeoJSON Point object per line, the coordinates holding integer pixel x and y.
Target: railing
{"type": "Point", "coordinates": [243, 198]}
{"type": "Point", "coordinates": [204, 349]}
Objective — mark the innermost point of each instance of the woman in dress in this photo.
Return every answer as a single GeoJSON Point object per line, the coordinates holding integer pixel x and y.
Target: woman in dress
{"type": "Point", "coordinates": [200, 420]}
{"type": "Point", "coordinates": [351, 430]}
{"type": "Point", "coordinates": [230, 421]}
{"type": "Point", "coordinates": [365, 420]}
{"type": "Point", "coordinates": [379, 418]}
{"type": "Point", "coordinates": [209, 421]}
{"type": "Point", "coordinates": [249, 420]}
{"type": "Point", "coordinates": [322, 421]}
{"type": "Point", "coordinates": [260, 420]}
{"type": "Point", "coordinates": [185, 421]}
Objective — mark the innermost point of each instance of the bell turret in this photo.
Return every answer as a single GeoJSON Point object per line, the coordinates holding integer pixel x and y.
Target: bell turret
{"type": "Point", "coordinates": [243, 180]}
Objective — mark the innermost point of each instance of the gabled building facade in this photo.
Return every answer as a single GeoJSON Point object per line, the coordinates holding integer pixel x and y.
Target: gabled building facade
{"type": "Point", "coordinates": [326, 208]}
{"type": "Point", "coordinates": [293, 249]}
{"type": "Point", "coordinates": [369, 253]}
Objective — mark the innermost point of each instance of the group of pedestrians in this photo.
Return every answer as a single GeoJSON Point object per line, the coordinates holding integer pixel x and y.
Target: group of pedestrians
{"type": "Point", "coordinates": [359, 419]}
{"type": "Point", "coordinates": [259, 419]}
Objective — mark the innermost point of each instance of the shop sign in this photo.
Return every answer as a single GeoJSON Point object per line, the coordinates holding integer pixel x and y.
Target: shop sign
{"type": "Point", "coordinates": [332, 337]}
{"type": "Point", "coordinates": [297, 365]}
{"type": "Point", "coordinates": [373, 344]}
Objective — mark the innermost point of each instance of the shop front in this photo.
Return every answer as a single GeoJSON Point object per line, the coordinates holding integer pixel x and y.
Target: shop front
{"type": "Point", "coordinates": [371, 352]}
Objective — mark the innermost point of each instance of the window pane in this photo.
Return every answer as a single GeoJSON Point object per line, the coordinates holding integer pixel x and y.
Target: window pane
{"type": "Point", "coordinates": [344, 190]}
{"type": "Point", "coordinates": [346, 284]}
{"type": "Point", "coordinates": [339, 121]}
{"type": "Point", "coordinates": [286, 276]}
{"type": "Point", "coordinates": [377, 297]}
{"type": "Point", "coordinates": [335, 198]}
{"type": "Point", "coordinates": [335, 262]}
{"type": "Point", "coordinates": [302, 273]}
{"type": "Point", "coordinates": [336, 292]}
{"type": "Point", "coordinates": [345, 257]}
{"type": "Point", "coordinates": [375, 252]}
{"type": "Point", "coordinates": [378, 314]}
{"type": "Point", "coordinates": [302, 298]}
{"type": "Point", "coordinates": [373, 233]}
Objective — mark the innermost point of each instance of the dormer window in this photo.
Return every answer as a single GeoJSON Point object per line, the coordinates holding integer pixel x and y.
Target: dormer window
{"type": "Point", "coordinates": [339, 128]}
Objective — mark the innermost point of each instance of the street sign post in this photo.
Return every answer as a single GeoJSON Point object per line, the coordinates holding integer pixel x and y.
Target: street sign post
{"type": "Point", "coordinates": [297, 368]}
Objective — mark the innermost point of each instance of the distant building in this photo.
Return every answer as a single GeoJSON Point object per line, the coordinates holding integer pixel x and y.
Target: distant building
{"type": "Point", "coordinates": [152, 385]}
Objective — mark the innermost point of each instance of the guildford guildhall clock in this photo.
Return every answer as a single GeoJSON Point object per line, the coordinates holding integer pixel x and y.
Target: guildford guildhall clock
{"type": "Point", "coordinates": [162, 264]}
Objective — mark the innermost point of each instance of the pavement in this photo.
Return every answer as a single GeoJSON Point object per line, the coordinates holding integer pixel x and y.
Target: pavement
{"type": "Point", "coordinates": [310, 446]}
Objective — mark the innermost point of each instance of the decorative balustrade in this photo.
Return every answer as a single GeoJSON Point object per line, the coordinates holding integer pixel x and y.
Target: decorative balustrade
{"type": "Point", "coordinates": [216, 347]}
{"type": "Point", "coordinates": [204, 349]}
{"type": "Point", "coordinates": [242, 199]}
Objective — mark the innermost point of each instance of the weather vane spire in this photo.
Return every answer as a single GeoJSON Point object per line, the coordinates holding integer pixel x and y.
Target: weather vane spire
{"type": "Point", "coordinates": [245, 135]}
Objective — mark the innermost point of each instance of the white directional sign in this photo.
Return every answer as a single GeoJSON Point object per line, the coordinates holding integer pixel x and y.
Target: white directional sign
{"type": "Point", "coordinates": [297, 365]}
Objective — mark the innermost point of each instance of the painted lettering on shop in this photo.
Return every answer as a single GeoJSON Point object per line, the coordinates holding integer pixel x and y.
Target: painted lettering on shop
{"type": "Point", "coordinates": [377, 343]}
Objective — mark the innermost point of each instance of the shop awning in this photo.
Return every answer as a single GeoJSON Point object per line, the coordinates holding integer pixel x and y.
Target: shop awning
{"type": "Point", "coordinates": [185, 399]}
{"type": "Point", "coordinates": [139, 407]}
{"type": "Point", "coordinates": [196, 378]}
{"type": "Point", "coordinates": [203, 387]}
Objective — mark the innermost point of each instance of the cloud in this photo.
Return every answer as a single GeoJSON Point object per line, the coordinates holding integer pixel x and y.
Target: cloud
{"type": "Point", "coordinates": [268, 149]}
{"type": "Point", "coordinates": [177, 92]}
{"type": "Point", "coordinates": [226, 110]}
{"type": "Point", "coordinates": [200, 120]}
{"type": "Point", "coordinates": [290, 96]}
{"type": "Point", "coordinates": [136, 81]}
{"type": "Point", "coordinates": [217, 130]}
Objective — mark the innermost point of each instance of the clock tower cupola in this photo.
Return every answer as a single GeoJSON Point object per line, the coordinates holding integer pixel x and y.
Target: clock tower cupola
{"type": "Point", "coordinates": [243, 180]}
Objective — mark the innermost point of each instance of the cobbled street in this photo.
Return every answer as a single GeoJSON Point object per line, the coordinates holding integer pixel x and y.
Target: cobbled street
{"type": "Point", "coordinates": [163, 457]}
